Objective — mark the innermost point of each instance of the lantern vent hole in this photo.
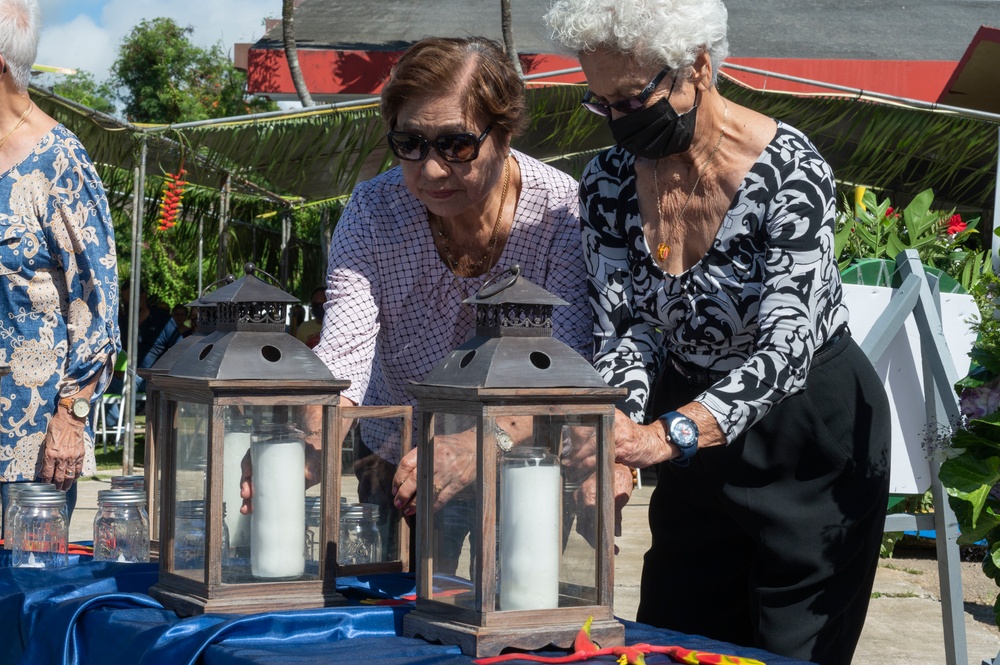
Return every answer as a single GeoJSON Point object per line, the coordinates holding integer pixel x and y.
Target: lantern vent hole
{"type": "Point", "coordinates": [204, 352]}
{"type": "Point", "coordinates": [467, 358]}
{"type": "Point", "coordinates": [540, 360]}
{"type": "Point", "coordinates": [271, 353]}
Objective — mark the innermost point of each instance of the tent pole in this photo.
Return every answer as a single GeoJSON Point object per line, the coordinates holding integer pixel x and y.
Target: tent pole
{"type": "Point", "coordinates": [222, 268]}
{"type": "Point", "coordinates": [201, 251]}
{"type": "Point", "coordinates": [135, 277]}
{"type": "Point", "coordinates": [996, 212]}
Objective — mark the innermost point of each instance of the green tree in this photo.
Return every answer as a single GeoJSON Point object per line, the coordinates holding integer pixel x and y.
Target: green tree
{"type": "Point", "coordinates": [163, 78]}
{"type": "Point", "coordinates": [81, 87]}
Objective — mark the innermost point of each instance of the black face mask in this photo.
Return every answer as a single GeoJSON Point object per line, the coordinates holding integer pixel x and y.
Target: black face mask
{"type": "Point", "coordinates": [317, 311]}
{"type": "Point", "coordinates": [656, 131]}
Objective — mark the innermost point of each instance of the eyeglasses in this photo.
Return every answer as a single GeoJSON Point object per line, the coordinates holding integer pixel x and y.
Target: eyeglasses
{"type": "Point", "coordinates": [630, 105]}
{"type": "Point", "coordinates": [452, 147]}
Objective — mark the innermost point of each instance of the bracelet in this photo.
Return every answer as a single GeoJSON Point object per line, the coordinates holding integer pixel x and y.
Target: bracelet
{"type": "Point", "coordinates": [635, 476]}
{"type": "Point", "coordinates": [504, 440]}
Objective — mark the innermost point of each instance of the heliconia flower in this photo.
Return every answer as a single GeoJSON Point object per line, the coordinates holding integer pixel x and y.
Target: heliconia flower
{"type": "Point", "coordinates": [859, 197]}
{"type": "Point", "coordinates": [956, 225]}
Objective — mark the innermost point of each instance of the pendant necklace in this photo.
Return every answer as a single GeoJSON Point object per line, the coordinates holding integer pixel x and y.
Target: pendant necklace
{"type": "Point", "coordinates": [19, 122]}
{"type": "Point", "coordinates": [663, 249]}
{"type": "Point", "coordinates": [487, 258]}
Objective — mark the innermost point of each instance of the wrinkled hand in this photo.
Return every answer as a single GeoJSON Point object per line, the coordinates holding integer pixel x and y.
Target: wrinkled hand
{"type": "Point", "coordinates": [579, 453]}
{"type": "Point", "coordinates": [640, 446]}
{"type": "Point", "coordinates": [586, 503]}
{"type": "Point", "coordinates": [454, 469]}
{"type": "Point", "coordinates": [63, 448]}
{"type": "Point", "coordinates": [313, 472]}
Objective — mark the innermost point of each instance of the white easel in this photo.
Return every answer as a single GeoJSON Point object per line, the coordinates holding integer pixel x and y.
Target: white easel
{"type": "Point", "coordinates": [919, 296]}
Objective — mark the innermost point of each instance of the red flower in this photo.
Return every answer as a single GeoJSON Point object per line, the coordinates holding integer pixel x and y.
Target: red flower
{"type": "Point", "coordinates": [889, 211]}
{"type": "Point", "coordinates": [956, 225]}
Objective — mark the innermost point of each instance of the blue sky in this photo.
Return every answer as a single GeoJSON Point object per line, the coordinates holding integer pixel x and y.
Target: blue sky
{"type": "Point", "coordinates": [85, 34]}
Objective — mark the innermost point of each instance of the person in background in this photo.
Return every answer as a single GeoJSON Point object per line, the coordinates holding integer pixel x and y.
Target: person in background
{"type": "Point", "coordinates": [308, 332]}
{"type": "Point", "coordinates": [183, 320]}
{"type": "Point", "coordinates": [157, 332]}
{"type": "Point", "coordinates": [58, 265]}
{"type": "Point", "coordinates": [296, 317]}
{"type": "Point", "coordinates": [708, 233]}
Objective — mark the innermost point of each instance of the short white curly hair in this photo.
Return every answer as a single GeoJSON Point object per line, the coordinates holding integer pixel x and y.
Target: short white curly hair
{"type": "Point", "coordinates": [653, 32]}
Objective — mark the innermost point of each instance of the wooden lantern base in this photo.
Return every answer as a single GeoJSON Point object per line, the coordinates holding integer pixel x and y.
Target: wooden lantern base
{"type": "Point", "coordinates": [485, 641]}
{"type": "Point", "coordinates": [188, 604]}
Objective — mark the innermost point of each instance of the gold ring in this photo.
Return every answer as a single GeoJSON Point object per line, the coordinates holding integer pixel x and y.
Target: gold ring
{"type": "Point", "coordinates": [437, 488]}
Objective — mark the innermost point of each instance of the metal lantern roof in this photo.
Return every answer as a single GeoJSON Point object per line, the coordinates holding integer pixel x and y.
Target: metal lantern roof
{"type": "Point", "coordinates": [250, 342]}
{"type": "Point", "coordinates": [513, 346]}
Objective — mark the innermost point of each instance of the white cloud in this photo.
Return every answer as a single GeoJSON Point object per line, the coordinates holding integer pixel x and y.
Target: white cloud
{"type": "Point", "coordinates": [92, 44]}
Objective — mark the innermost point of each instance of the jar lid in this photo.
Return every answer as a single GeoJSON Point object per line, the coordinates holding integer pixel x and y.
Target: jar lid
{"type": "Point", "coordinates": [359, 511]}
{"type": "Point", "coordinates": [54, 498]}
{"type": "Point", "coordinates": [127, 482]}
{"type": "Point", "coordinates": [31, 487]}
{"type": "Point", "coordinates": [193, 509]}
{"type": "Point", "coordinates": [122, 497]}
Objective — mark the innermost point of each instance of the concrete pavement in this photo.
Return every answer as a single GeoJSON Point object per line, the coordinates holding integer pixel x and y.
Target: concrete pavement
{"type": "Point", "coordinates": [904, 623]}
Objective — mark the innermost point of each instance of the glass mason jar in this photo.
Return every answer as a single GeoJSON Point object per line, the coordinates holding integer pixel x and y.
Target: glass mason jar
{"type": "Point", "coordinates": [121, 526]}
{"type": "Point", "coordinates": [12, 507]}
{"type": "Point", "coordinates": [360, 541]}
{"type": "Point", "coordinates": [189, 535]}
{"type": "Point", "coordinates": [41, 530]}
{"type": "Point", "coordinates": [528, 517]}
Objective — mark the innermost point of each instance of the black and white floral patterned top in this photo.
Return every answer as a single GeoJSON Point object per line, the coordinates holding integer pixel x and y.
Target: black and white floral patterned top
{"type": "Point", "coordinates": [757, 305]}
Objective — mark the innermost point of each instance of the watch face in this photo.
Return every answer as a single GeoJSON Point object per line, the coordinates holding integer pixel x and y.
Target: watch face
{"type": "Point", "coordinates": [81, 408]}
{"type": "Point", "coordinates": [683, 432]}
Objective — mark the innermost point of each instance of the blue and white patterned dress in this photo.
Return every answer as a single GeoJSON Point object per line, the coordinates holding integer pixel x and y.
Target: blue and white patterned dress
{"type": "Point", "coordinates": [59, 295]}
{"type": "Point", "coordinates": [762, 300]}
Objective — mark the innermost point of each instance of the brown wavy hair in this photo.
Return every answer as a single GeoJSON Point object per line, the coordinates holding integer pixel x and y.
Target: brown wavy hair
{"type": "Point", "coordinates": [473, 69]}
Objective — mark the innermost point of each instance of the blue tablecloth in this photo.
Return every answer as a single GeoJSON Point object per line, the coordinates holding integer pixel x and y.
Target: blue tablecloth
{"type": "Point", "coordinates": [99, 614]}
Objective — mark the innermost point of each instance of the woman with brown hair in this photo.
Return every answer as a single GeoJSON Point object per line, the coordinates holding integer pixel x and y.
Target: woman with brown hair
{"type": "Point", "coordinates": [417, 240]}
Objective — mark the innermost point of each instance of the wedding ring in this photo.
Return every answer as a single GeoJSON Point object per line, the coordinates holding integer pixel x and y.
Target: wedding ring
{"type": "Point", "coordinates": [437, 488]}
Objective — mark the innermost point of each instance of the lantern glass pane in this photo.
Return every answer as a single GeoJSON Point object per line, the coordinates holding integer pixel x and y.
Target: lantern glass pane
{"type": "Point", "coordinates": [369, 520]}
{"type": "Point", "coordinates": [190, 462]}
{"type": "Point", "coordinates": [547, 513]}
{"type": "Point", "coordinates": [272, 543]}
{"type": "Point", "coordinates": [455, 527]}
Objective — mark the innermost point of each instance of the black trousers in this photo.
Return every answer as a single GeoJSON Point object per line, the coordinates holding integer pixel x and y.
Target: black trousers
{"type": "Point", "coordinates": [773, 541]}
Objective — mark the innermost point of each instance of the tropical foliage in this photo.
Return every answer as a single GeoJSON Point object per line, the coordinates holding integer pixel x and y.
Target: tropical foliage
{"type": "Point", "coordinates": [970, 468]}
{"type": "Point", "coordinates": [873, 229]}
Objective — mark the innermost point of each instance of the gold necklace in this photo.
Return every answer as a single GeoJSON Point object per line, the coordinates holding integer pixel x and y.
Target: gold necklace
{"type": "Point", "coordinates": [663, 249]}
{"type": "Point", "coordinates": [487, 257]}
{"type": "Point", "coordinates": [19, 122]}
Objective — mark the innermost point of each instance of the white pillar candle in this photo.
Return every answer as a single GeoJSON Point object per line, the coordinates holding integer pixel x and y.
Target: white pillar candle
{"type": "Point", "coordinates": [277, 528]}
{"type": "Point", "coordinates": [529, 536]}
{"type": "Point", "coordinates": [236, 445]}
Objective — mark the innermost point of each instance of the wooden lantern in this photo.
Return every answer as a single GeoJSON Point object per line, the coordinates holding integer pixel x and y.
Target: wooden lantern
{"type": "Point", "coordinates": [249, 386]}
{"type": "Point", "coordinates": [514, 559]}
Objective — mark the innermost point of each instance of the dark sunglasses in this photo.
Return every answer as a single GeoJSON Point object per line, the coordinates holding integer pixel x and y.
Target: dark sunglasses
{"type": "Point", "coordinates": [630, 105]}
{"type": "Point", "coordinates": [452, 147]}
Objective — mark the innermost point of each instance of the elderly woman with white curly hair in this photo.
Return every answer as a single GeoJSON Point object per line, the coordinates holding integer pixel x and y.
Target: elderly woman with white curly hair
{"type": "Point", "coordinates": [708, 233]}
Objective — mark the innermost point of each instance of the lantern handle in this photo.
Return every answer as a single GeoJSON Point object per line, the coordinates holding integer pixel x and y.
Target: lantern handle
{"type": "Point", "coordinates": [495, 285]}
{"type": "Point", "coordinates": [251, 269]}
{"type": "Point", "coordinates": [228, 279]}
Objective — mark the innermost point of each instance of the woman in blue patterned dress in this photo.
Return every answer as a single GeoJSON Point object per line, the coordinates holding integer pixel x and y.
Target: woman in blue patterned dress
{"type": "Point", "coordinates": [59, 295]}
{"type": "Point", "coordinates": [708, 236]}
